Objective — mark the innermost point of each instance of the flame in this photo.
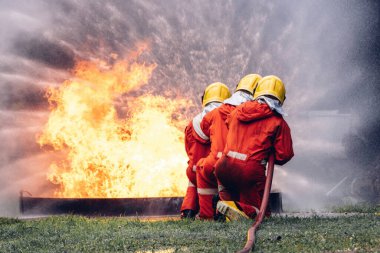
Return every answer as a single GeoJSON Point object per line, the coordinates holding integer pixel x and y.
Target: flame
{"type": "Point", "coordinates": [110, 157]}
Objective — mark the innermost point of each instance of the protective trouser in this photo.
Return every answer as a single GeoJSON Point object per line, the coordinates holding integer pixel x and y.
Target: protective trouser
{"type": "Point", "coordinates": [207, 186]}
{"type": "Point", "coordinates": [190, 201]}
{"type": "Point", "coordinates": [242, 181]}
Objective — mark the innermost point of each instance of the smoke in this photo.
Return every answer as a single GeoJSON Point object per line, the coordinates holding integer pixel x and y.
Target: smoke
{"type": "Point", "coordinates": [325, 51]}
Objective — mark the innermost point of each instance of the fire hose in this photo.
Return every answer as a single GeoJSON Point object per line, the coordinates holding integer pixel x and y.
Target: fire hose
{"type": "Point", "coordinates": [259, 218]}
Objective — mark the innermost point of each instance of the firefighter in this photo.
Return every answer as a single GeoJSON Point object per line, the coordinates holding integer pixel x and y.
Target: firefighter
{"type": "Point", "coordinates": [212, 98]}
{"type": "Point", "coordinates": [256, 128]}
{"type": "Point", "coordinates": [214, 129]}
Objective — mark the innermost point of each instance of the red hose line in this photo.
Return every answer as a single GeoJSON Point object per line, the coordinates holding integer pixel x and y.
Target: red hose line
{"type": "Point", "coordinates": [259, 218]}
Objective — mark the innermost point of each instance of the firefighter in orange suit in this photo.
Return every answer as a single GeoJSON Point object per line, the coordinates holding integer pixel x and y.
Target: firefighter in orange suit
{"type": "Point", "coordinates": [214, 129]}
{"type": "Point", "coordinates": [256, 128]}
{"type": "Point", "coordinates": [212, 98]}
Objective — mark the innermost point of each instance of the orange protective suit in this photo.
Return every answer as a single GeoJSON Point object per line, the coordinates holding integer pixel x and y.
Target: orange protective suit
{"type": "Point", "coordinates": [214, 127]}
{"type": "Point", "coordinates": [254, 131]}
{"type": "Point", "coordinates": [195, 149]}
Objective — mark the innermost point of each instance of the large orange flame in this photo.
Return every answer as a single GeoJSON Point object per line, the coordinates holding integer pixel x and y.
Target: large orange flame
{"type": "Point", "coordinates": [140, 156]}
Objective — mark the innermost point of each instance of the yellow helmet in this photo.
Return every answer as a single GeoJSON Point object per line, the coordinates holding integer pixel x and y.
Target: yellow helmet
{"type": "Point", "coordinates": [271, 85]}
{"type": "Point", "coordinates": [249, 83]}
{"type": "Point", "coordinates": [215, 92]}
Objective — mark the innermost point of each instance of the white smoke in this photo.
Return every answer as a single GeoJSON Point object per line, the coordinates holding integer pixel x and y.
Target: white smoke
{"type": "Point", "coordinates": [322, 51]}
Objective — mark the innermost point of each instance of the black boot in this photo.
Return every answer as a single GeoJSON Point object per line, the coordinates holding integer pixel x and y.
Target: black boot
{"type": "Point", "coordinates": [188, 214]}
{"type": "Point", "coordinates": [217, 216]}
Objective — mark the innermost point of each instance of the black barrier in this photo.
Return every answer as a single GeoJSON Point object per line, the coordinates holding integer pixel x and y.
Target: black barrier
{"type": "Point", "coordinates": [113, 206]}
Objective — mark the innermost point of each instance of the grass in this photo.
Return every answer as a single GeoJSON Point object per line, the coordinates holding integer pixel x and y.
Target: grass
{"type": "Point", "coordinates": [360, 233]}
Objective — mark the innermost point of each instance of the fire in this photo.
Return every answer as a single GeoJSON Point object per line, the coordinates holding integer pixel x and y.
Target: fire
{"type": "Point", "coordinates": [142, 155]}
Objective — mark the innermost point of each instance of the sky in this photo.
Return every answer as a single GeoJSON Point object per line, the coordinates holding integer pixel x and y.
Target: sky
{"type": "Point", "coordinates": [326, 52]}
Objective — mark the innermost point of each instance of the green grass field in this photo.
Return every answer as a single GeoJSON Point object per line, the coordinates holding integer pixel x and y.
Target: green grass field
{"type": "Point", "coordinates": [357, 233]}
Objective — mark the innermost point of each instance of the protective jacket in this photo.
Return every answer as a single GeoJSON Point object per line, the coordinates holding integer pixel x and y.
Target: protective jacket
{"type": "Point", "coordinates": [215, 129]}
{"type": "Point", "coordinates": [254, 131]}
